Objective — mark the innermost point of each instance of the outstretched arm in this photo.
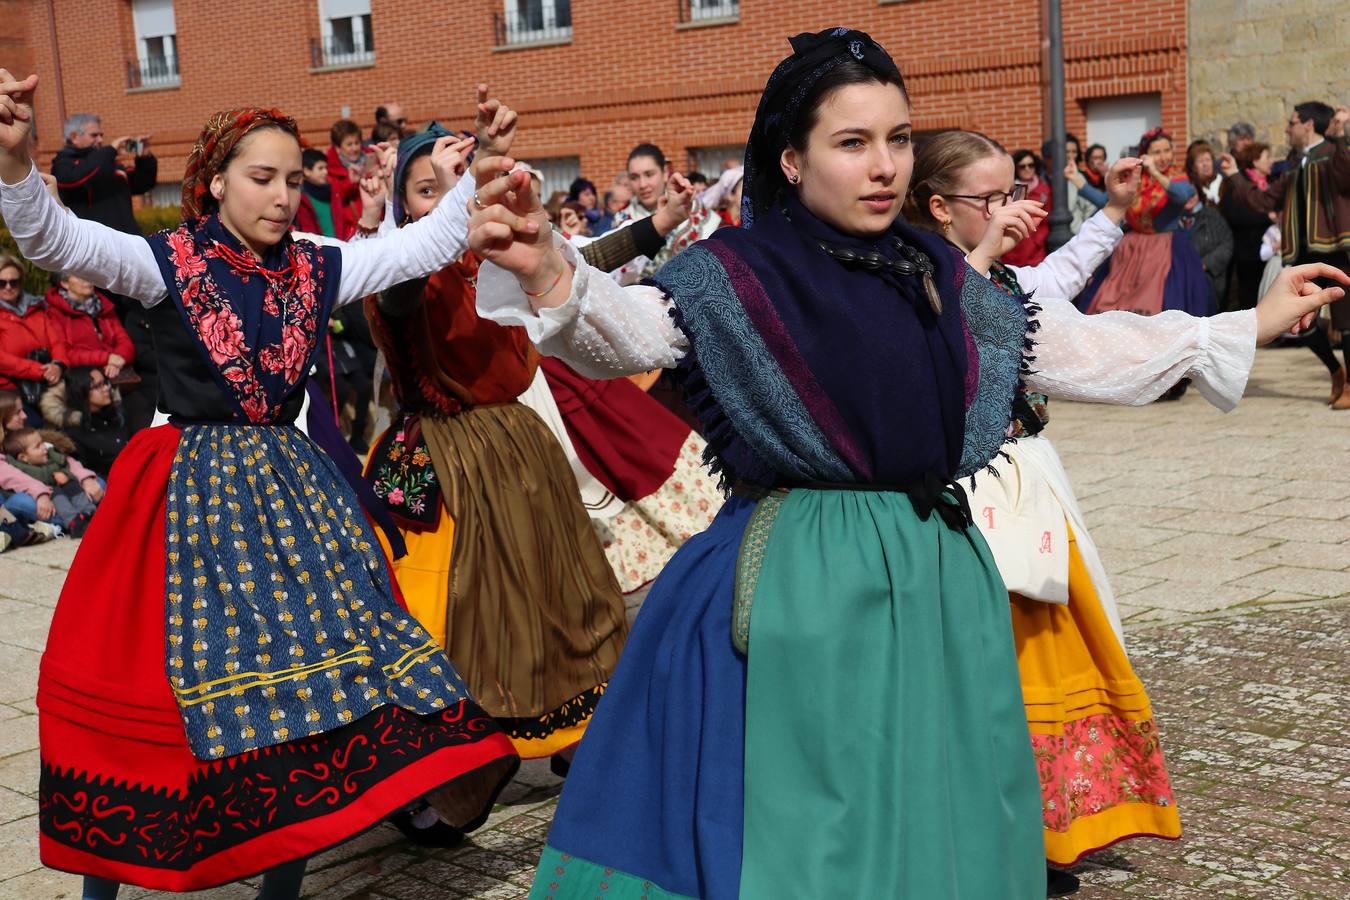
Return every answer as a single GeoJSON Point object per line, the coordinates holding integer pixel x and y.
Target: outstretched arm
{"type": "Point", "coordinates": [1119, 357]}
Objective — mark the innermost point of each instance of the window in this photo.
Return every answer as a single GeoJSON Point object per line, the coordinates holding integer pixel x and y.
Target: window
{"type": "Point", "coordinates": [559, 172]}
{"type": "Point", "coordinates": [712, 161]}
{"type": "Point", "coordinates": [1118, 122]}
{"type": "Point", "coordinates": [346, 35]}
{"type": "Point", "coordinates": [156, 63]}
{"type": "Point", "coordinates": [532, 21]}
{"type": "Point", "coordinates": [704, 10]}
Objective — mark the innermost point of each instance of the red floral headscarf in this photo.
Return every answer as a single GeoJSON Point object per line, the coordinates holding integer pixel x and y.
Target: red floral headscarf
{"type": "Point", "coordinates": [220, 135]}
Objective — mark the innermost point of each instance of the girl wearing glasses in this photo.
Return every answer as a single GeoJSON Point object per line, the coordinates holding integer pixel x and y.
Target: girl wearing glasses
{"type": "Point", "coordinates": [1101, 769]}
{"type": "Point", "coordinates": [820, 695]}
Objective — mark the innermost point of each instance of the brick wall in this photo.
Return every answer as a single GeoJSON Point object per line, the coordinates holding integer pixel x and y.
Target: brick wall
{"type": "Point", "coordinates": [968, 64]}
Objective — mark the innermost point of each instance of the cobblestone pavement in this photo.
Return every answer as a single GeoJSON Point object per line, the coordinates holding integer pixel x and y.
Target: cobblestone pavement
{"type": "Point", "coordinates": [1228, 542]}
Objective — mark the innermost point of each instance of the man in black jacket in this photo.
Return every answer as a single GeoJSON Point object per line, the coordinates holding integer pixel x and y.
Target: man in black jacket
{"type": "Point", "coordinates": [96, 180]}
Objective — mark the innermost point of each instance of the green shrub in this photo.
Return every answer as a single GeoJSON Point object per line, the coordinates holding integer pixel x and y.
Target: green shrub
{"type": "Point", "coordinates": [154, 219]}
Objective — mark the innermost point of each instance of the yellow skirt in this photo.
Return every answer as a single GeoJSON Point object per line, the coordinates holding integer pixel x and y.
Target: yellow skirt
{"type": "Point", "coordinates": [1101, 766]}
{"type": "Point", "coordinates": [512, 581]}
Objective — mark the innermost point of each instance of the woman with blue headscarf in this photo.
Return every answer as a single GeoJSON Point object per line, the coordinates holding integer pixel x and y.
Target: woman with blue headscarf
{"type": "Point", "coordinates": [502, 562]}
{"type": "Point", "coordinates": [820, 697]}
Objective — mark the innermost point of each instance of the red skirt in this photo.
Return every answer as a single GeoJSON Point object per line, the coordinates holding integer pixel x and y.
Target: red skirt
{"type": "Point", "coordinates": [623, 437]}
{"type": "Point", "coordinates": [121, 795]}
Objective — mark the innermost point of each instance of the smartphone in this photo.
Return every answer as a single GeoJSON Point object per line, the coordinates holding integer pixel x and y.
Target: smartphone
{"type": "Point", "coordinates": [134, 146]}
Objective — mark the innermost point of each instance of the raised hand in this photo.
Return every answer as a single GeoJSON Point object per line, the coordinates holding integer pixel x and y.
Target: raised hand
{"type": "Point", "coordinates": [1008, 226]}
{"type": "Point", "coordinates": [1228, 165]}
{"type": "Point", "coordinates": [387, 156]}
{"type": "Point", "coordinates": [1293, 300]}
{"type": "Point", "coordinates": [1337, 126]}
{"type": "Point", "coordinates": [373, 193]}
{"type": "Point", "coordinates": [509, 226]}
{"type": "Point", "coordinates": [1073, 174]}
{"type": "Point", "coordinates": [674, 206]}
{"type": "Point", "coordinates": [450, 159]}
{"type": "Point", "coordinates": [16, 125]}
{"type": "Point", "coordinates": [495, 125]}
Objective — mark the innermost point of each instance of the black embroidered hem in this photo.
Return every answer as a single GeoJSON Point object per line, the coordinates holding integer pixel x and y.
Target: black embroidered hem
{"type": "Point", "coordinates": [243, 797]}
{"type": "Point", "coordinates": [573, 712]}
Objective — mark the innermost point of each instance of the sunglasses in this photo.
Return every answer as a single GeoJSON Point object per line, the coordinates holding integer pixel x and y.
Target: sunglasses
{"type": "Point", "coordinates": [10, 282]}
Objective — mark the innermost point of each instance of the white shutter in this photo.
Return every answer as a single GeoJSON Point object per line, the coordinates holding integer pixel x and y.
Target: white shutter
{"type": "Point", "coordinates": [153, 18]}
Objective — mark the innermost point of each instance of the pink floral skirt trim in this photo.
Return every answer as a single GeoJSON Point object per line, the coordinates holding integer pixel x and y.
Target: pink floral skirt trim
{"type": "Point", "coordinates": [1099, 762]}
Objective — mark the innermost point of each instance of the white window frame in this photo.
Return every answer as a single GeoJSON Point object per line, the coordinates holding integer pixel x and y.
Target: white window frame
{"type": "Point", "coordinates": [516, 31]}
{"type": "Point", "coordinates": [353, 11]}
{"type": "Point", "coordinates": [699, 10]}
{"type": "Point", "coordinates": [154, 20]}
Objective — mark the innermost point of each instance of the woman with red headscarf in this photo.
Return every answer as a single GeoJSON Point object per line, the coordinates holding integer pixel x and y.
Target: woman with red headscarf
{"type": "Point", "coordinates": [1151, 272]}
{"type": "Point", "coordinates": [231, 682]}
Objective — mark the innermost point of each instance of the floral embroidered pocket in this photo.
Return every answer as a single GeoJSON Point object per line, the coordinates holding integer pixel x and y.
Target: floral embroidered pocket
{"type": "Point", "coordinates": [404, 478]}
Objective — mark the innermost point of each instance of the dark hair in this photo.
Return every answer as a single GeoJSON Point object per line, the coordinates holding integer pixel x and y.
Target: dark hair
{"type": "Point", "coordinates": [343, 128]}
{"type": "Point", "coordinates": [15, 440]}
{"type": "Point", "coordinates": [1024, 153]}
{"type": "Point", "coordinates": [648, 150]}
{"type": "Point", "coordinates": [79, 382]}
{"type": "Point", "coordinates": [1077, 143]}
{"type": "Point", "coordinates": [381, 113]}
{"type": "Point", "coordinates": [577, 186]}
{"type": "Point", "coordinates": [1088, 152]}
{"type": "Point", "coordinates": [1151, 137]}
{"type": "Point", "coordinates": [1318, 113]}
{"type": "Point", "coordinates": [697, 176]}
{"type": "Point", "coordinates": [846, 74]}
{"type": "Point", "coordinates": [1248, 155]}
{"type": "Point", "coordinates": [309, 157]}
{"type": "Point", "coordinates": [383, 131]}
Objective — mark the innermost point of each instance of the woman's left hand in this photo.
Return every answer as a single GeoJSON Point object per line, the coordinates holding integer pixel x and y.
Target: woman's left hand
{"type": "Point", "coordinates": [495, 125]}
{"type": "Point", "coordinates": [92, 489]}
{"type": "Point", "coordinates": [1293, 300]}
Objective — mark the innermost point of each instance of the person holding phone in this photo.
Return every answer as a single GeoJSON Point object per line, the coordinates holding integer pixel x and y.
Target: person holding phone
{"type": "Point", "coordinates": [97, 179]}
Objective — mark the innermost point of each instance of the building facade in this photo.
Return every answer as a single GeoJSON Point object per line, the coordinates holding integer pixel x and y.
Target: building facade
{"type": "Point", "coordinates": [591, 78]}
{"type": "Point", "coordinates": [1253, 61]}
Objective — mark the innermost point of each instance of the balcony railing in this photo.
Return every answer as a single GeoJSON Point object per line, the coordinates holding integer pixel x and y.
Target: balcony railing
{"type": "Point", "coordinates": [706, 10]}
{"type": "Point", "coordinates": [152, 72]}
{"type": "Point", "coordinates": [326, 52]}
{"type": "Point", "coordinates": [538, 22]}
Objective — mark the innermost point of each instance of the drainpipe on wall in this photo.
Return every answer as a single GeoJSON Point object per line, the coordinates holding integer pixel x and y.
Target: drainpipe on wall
{"type": "Point", "coordinates": [56, 67]}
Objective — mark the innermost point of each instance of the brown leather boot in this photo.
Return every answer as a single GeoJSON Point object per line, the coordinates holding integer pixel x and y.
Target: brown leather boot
{"type": "Point", "coordinates": [1338, 392]}
{"type": "Point", "coordinates": [1343, 401]}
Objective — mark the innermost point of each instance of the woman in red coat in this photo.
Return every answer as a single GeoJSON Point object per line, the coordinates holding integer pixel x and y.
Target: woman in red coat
{"type": "Point", "coordinates": [1032, 249]}
{"type": "Point", "coordinates": [87, 322]}
{"type": "Point", "coordinates": [23, 331]}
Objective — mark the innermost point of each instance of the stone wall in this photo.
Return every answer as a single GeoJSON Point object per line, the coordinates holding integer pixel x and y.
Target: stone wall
{"type": "Point", "coordinates": [1252, 60]}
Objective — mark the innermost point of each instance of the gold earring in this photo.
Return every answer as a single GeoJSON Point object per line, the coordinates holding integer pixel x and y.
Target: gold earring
{"type": "Point", "coordinates": [946, 228]}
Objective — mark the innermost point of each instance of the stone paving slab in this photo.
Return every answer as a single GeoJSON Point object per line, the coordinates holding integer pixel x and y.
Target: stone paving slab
{"type": "Point", "coordinates": [1225, 541]}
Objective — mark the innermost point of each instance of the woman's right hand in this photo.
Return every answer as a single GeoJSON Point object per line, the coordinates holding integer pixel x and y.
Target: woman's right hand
{"type": "Point", "coordinates": [51, 373]}
{"type": "Point", "coordinates": [1074, 174]}
{"type": "Point", "coordinates": [448, 160]}
{"type": "Point", "coordinates": [45, 507]}
{"type": "Point", "coordinates": [507, 223]}
{"type": "Point", "coordinates": [1008, 226]}
{"type": "Point", "coordinates": [16, 125]}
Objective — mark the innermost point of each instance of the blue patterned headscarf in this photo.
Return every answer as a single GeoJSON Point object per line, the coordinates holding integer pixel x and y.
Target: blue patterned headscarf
{"type": "Point", "coordinates": [409, 149]}
{"type": "Point", "coordinates": [791, 83]}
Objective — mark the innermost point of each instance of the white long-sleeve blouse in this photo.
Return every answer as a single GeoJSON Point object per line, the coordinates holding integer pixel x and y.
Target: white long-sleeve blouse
{"type": "Point", "coordinates": [604, 330]}
{"type": "Point", "coordinates": [57, 240]}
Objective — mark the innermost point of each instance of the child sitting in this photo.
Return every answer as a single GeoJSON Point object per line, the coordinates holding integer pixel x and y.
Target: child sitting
{"type": "Point", "coordinates": [30, 454]}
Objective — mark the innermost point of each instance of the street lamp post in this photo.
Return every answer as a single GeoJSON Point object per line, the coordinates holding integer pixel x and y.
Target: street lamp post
{"type": "Point", "coordinates": [1059, 188]}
